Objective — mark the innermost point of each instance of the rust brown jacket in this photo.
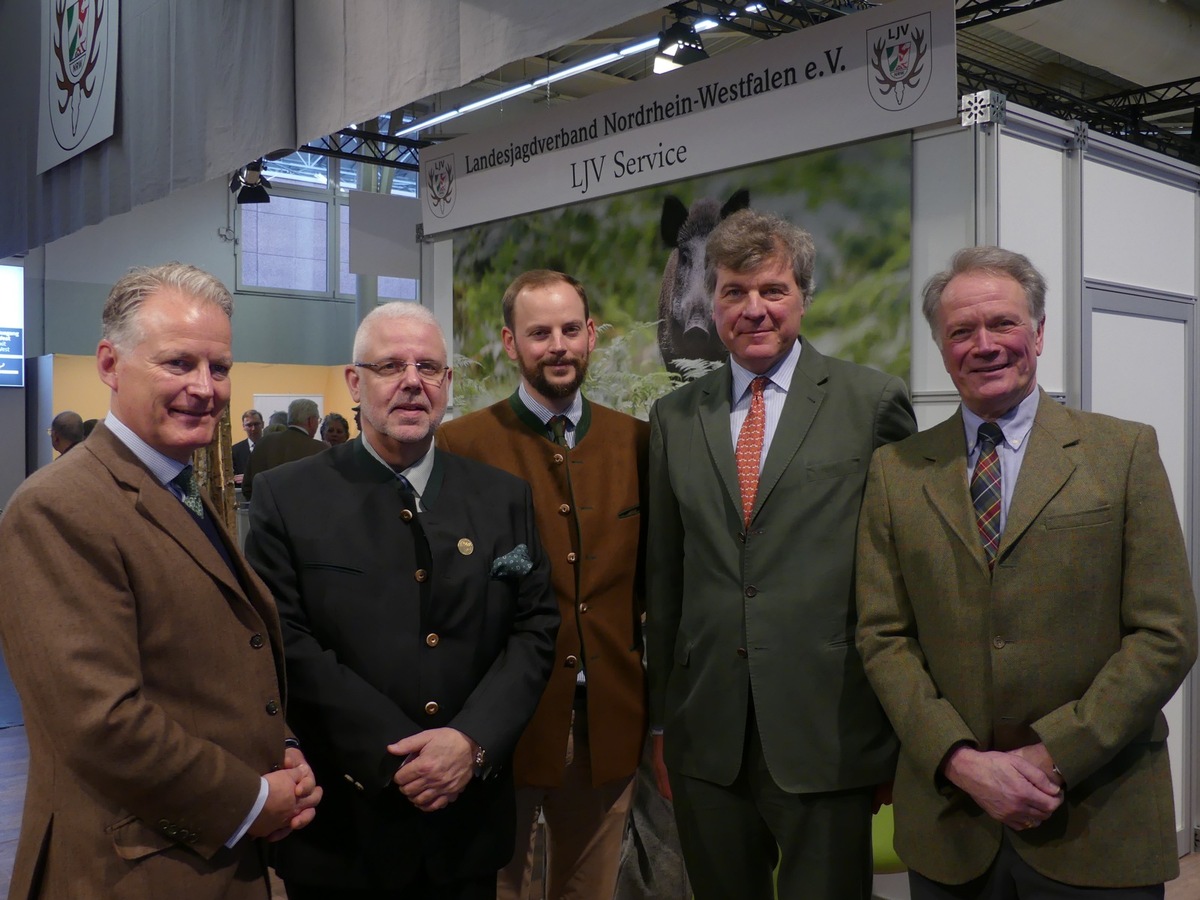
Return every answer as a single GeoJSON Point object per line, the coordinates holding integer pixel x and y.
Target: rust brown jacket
{"type": "Point", "coordinates": [588, 502]}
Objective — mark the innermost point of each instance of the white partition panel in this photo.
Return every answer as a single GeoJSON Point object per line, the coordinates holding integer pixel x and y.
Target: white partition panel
{"type": "Point", "coordinates": [943, 222]}
{"type": "Point", "coordinates": [1031, 198]}
{"type": "Point", "coordinates": [1138, 230]}
{"type": "Point", "coordinates": [1139, 366]}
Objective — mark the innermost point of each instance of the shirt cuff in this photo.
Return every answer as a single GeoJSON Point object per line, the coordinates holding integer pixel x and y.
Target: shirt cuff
{"type": "Point", "coordinates": [263, 790]}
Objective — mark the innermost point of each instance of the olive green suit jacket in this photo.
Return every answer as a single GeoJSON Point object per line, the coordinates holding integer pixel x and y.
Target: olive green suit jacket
{"type": "Point", "coordinates": [768, 611]}
{"type": "Point", "coordinates": [1084, 630]}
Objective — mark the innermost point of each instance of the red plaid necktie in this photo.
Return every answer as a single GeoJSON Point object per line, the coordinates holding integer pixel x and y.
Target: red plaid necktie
{"type": "Point", "coordinates": [749, 446]}
{"type": "Point", "coordinates": [985, 489]}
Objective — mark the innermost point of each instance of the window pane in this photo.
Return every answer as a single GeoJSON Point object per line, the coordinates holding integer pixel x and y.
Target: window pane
{"type": "Point", "coordinates": [286, 247]}
{"type": "Point", "coordinates": [389, 288]}
{"type": "Point", "coordinates": [347, 280]}
{"type": "Point", "coordinates": [397, 288]}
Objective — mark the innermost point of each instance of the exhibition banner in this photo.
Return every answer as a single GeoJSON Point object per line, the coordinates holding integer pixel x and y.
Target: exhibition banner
{"type": "Point", "coordinates": [78, 77]}
{"type": "Point", "coordinates": [876, 72]}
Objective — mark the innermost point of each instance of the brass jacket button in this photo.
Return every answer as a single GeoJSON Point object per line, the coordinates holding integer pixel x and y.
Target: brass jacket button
{"type": "Point", "coordinates": [421, 575]}
{"type": "Point", "coordinates": [431, 639]}
{"type": "Point", "coordinates": [571, 557]}
{"type": "Point", "coordinates": [558, 458]}
{"type": "Point", "coordinates": [406, 515]}
{"type": "Point", "coordinates": [431, 708]}
{"type": "Point", "coordinates": [571, 661]}
{"type": "Point", "coordinates": [565, 508]}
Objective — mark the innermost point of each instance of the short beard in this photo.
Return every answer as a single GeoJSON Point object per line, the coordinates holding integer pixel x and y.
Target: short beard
{"type": "Point", "coordinates": [536, 377]}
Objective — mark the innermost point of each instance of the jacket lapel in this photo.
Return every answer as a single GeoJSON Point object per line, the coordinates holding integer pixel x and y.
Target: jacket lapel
{"type": "Point", "coordinates": [946, 482]}
{"type": "Point", "coordinates": [160, 507]}
{"type": "Point", "coordinates": [800, 407]}
{"type": "Point", "coordinates": [714, 422]}
{"type": "Point", "coordinates": [1044, 470]}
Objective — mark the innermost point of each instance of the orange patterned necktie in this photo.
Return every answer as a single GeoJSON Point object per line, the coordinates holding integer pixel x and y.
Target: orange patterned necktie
{"type": "Point", "coordinates": [749, 446]}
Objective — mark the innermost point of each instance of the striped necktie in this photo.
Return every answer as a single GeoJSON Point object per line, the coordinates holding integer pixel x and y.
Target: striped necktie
{"type": "Point", "coordinates": [985, 489]}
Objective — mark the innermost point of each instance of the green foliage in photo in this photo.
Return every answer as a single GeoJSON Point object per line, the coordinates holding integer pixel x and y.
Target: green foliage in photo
{"type": "Point", "coordinates": [855, 200]}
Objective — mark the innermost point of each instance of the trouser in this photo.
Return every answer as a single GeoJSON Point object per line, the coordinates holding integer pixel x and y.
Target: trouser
{"type": "Point", "coordinates": [1011, 878]}
{"type": "Point", "coordinates": [733, 836]}
{"type": "Point", "coordinates": [584, 828]}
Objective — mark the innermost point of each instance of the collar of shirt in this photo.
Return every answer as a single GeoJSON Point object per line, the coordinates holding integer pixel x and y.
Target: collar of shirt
{"type": "Point", "coordinates": [301, 429]}
{"type": "Point", "coordinates": [780, 375]}
{"type": "Point", "coordinates": [417, 474]}
{"type": "Point", "coordinates": [573, 412]}
{"type": "Point", "coordinates": [1016, 425]}
{"type": "Point", "coordinates": [161, 467]}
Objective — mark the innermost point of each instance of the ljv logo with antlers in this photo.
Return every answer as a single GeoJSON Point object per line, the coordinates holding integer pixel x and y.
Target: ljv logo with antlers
{"type": "Point", "coordinates": [900, 62]}
{"type": "Point", "coordinates": [439, 186]}
{"type": "Point", "coordinates": [79, 40]}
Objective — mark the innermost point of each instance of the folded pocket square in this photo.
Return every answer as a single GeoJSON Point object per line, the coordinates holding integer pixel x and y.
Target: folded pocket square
{"type": "Point", "coordinates": [513, 564]}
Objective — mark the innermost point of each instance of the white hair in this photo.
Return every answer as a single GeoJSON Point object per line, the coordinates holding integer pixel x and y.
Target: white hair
{"type": "Point", "coordinates": [399, 309]}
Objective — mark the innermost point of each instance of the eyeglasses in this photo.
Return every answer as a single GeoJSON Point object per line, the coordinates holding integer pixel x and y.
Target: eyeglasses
{"type": "Point", "coordinates": [428, 371]}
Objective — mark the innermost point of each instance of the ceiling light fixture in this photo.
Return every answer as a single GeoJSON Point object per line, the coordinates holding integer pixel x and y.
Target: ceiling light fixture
{"type": "Point", "coordinates": [420, 125]}
{"type": "Point", "coordinates": [679, 45]}
{"type": "Point", "coordinates": [249, 183]}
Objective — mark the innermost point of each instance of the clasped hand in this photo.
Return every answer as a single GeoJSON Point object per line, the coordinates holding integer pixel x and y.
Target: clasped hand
{"type": "Point", "coordinates": [438, 765]}
{"type": "Point", "coordinates": [292, 798]}
{"type": "Point", "coordinates": [1018, 788]}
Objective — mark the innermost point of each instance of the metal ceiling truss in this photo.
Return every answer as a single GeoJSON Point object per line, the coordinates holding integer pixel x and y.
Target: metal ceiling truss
{"type": "Point", "coordinates": [1124, 115]}
{"type": "Point", "coordinates": [765, 18]}
{"type": "Point", "coordinates": [1125, 122]}
{"type": "Point", "coordinates": [1161, 98]}
{"type": "Point", "coordinates": [973, 12]}
{"type": "Point", "coordinates": [771, 18]}
{"type": "Point", "coordinates": [370, 147]}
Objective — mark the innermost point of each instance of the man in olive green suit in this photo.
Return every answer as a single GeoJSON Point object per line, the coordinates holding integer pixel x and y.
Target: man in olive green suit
{"type": "Point", "coordinates": [773, 741]}
{"type": "Point", "coordinates": [1024, 644]}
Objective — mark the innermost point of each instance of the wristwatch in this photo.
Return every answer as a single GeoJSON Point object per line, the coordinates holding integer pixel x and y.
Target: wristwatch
{"type": "Point", "coordinates": [482, 769]}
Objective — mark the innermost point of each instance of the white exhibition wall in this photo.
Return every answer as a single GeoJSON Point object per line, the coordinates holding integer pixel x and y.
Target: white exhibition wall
{"type": "Point", "coordinates": [1138, 230]}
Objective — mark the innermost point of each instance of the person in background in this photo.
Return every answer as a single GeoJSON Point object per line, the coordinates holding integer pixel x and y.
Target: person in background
{"type": "Point", "coordinates": [252, 424]}
{"type": "Point", "coordinates": [586, 465]}
{"type": "Point", "coordinates": [292, 443]}
{"type": "Point", "coordinates": [66, 430]}
{"type": "Point", "coordinates": [335, 429]}
{"type": "Point", "coordinates": [146, 653]}
{"type": "Point", "coordinates": [1025, 610]}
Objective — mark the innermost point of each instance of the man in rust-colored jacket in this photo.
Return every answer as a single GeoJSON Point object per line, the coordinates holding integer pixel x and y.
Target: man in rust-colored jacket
{"type": "Point", "coordinates": [587, 467]}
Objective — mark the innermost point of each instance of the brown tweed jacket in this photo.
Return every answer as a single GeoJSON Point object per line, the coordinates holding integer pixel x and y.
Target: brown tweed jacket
{"type": "Point", "coordinates": [1084, 630]}
{"type": "Point", "coordinates": [151, 681]}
